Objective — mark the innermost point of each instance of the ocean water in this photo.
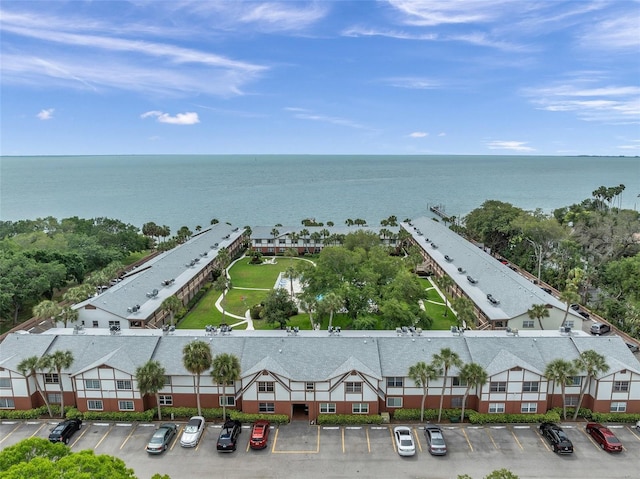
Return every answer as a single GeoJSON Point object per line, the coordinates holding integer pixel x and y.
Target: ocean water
{"type": "Point", "coordinates": [190, 190]}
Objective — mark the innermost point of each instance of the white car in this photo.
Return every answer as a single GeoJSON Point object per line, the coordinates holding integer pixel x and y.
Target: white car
{"type": "Point", "coordinates": [192, 432]}
{"type": "Point", "coordinates": [404, 441]}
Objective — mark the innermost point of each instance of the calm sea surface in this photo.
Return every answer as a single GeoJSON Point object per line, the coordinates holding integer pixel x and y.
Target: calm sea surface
{"type": "Point", "coordinates": [177, 190]}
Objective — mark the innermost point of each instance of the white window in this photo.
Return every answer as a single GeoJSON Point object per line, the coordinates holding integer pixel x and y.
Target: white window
{"type": "Point", "coordinates": [575, 381]}
{"type": "Point", "coordinates": [7, 403]}
{"type": "Point", "coordinates": [353, 387]}
{"type": "Point", "coordinates": [51, 378]}
{"type": "Point", "coordinates": [528, 407]}
{"type": "Point", "coordinates": [165, 400]}
{"type": "Point", "coordinates": [310, 386]}
{"type": "Point", "coordinates": [456, 401]}
{"type": "Point", "coordinates": [5, 383]}
{"type": "Point", "coordinates": [530, 386]}
{"type": "Point", "coordinates": [94, 324]}
{"type": "Point", "coordinates": [456, 381]}
{"type": "Point", "coordinates": [394, 402]}
{"type": "Point", "coordinates": [92, 384]}
{"type": "Point", "coordinates": [266, 407]}
{"type": "Point", "coordinates": [125, 405]}
{"type": "Point", "coordinates": [115, 324]}
{"type": "Point", "coordinates": [327, 408]}
{"type": "Point", "coordinates": [123, 384]}
{"type": "Point", "coordinates": [230, 400]}
{"type": "Point", "coordinates": [528, 324]}
{"type": "Point", "coordinates": [94, 405]}
{"type": "Point", "coordinates": [360, 408]}
{"type": "Point", "coordinates": [265, 386]}
{"type": "Point", "coordinates": [571, 400]}
{"type": "Point", "coordinates": [54, 398]}
{"type": "Point", "coordinates": [496, 407]}
{"type": "Point", "coordinates": [395, 382]}
{"type": "Point", "coordinates": [620, 386]}
{"type": "Point", "coordinates": [618, 406]}
{"type": "Point", "coordinates": [568, 323]}
{"type": "Point", "coordinates": [498, 386]}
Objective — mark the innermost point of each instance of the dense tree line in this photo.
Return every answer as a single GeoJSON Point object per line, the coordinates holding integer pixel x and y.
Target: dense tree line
{"type": "Point", "coordinates": [593, 245]}
{"type": "Point", "coordinates": [42, 256]}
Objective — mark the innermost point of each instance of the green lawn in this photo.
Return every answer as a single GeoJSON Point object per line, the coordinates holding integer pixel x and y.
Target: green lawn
{"type": "Point", "coordinates": [263, 277]}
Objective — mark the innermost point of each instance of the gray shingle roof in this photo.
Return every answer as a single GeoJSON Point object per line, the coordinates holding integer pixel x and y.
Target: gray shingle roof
{"type": "Point", "coordinates": [515, 293]}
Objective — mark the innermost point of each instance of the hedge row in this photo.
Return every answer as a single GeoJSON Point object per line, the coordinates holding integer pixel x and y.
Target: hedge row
{"type": "Point", "coordinates": [251, 418]}
{"type": "Point", "coordinates": [349, 419]}
{"type": "Point", "coordinates": [429, 414]}
{"type": "Point", "coordinates": [482, 418]}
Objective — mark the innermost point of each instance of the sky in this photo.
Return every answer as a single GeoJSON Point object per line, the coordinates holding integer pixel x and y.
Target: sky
{"type": "Point", "coordinates": [397, 77]}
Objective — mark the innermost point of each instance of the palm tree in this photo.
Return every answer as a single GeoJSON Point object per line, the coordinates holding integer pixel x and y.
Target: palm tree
{"type": "Point", "coordinates": [171, 305]}
{"type": "Point", "coordinates": [538, 311]}
{"type": "Point", "coordinates": [569, 296]}
{"type": "Point", "coordinates": [445, 360]}
{"type": "Point", "coordinates": [58, 361]}
{"type": "Point", "coordinates": [475, 376]}
{"type": "Point", "coordinates": [331, 302]}
{"type": "Point", "coordinates": [274, 233]}
{"type": "Point", "coordinates": [225, 371]}
{"type": "Point", "coordinates": [29, 367]}
{"type": "Point", "coordinates": [465, 314]}
{"type": "Point", "coordinates": [151, 379]}
{"type": "Point", "coordinates": [46, 310]}
{"type": "Point", "coordinates": [593, 364]}
{"type": "Point", "coordinates": [69, 315]}
{"type": "Point", "coordinates": [196, 358]}
{"type": "Point", "coordinates": [224, 259]}
{"type": "Point", "coordinates": [421, 373]}
{"type": "Point", "coordinates": [560, 372]}
{"type": "Point", "coordinates": [445, 283]}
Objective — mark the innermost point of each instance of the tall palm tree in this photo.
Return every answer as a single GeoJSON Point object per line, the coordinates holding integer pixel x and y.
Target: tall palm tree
{"type": "Point", "coordinates": [445, 283]}
{"type": "Point", "coordinates": [465, 314]}
{"type": "Point", "coordinates": [475, 376]}
{"type": "Point", "coordinates": [560, 371]}
{"type": "Point", "coordinates": [29, 367]}
{"type": "Point", "coordinates": [225, 371]}
{"type": "Point", "coordinates": [196, 358]}
{"type": "Point", "coordinates": [569, 296]}
{"type": "Point", "coordinates": [445, 360]}
{"type": "Point", "coordinates": [46, 310]}
{"type": "Point", "coordinates": [331, 303]}
{"type": "Point", "coordinates": [58, 361]}
{"type": "Point", "coordinates": [151, 379]}
{"type": "Point", "coordinates": [69, 315]}
{"type": "Point", "coordinates": [224, 258]}
{"type": "Point", "coordinates": [421, 373]}
{"type": "Point", "coordinates": [275, 233]}
{"type": "Point", "coordinates": [538, 311]}
{"type": "Point", "coordinates": [592, 364]}
{"type": "Point", "coordinates": [290, 273]}
{"type": "Point", "coordinates": [171, 305]}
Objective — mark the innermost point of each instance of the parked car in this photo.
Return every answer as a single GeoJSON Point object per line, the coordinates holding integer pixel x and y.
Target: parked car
{"type": "Point", "coordinates": [404, 441]}
{"type": "Point", "coordinates": [161, 438]}
{"type": "Point", "coordinates": [603, 436]}
{"type": "Point", "coordinates": [228, 439]}
{"type": "Point", "coordinates": [64, 430]}
{"type": "Point", "coordinates": [600, 328]}
{"type": "Point", "coordinates": [259, 434]}
{"type": "Point", "coordinates": [435, 440]}
{"type": "Point", "coordinates": [633, 347]}
{"type": "Point", "coordinates": [558, 439]}
{"type": "Point", "coordinates": [192, 432]}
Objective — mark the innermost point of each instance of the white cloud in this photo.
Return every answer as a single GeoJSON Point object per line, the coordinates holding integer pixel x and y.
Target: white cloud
{"type": "Point", "coordinates": [304, 114]}
{"type": "Point", "coordinates": [618, 33]}
{"type": "Point", "coordinates": [46, 114]}
{"type": "Point", "coordinates": [442, 134]}
{"type": "Point", "coordinates": [437, 12]}
{"type": "Point", "coordinates": [188, 118]}
{"type": "Point", "coordinates": [418, 134]}
{"type": "Point", "coordinates": [413, 83]}
{"type": "Point", "coordinates": [509, 145]}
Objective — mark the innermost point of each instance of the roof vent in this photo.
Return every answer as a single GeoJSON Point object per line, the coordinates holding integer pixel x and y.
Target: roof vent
{"type": "Point", "coordinates": [152, 294]}
{"type": "Point", "coordinates": [493, 300]}
{"type": "Point", "coordinates": [472, 280]}
{"type": "Point", "coordinates": [461, 270]}
{"type": "Point", "coordinates": [448, 258]}
{"type": "Point", "coordinates": [168, 282]}
{"type": "Point", "coordinates": [434, 246]}
{"type": "Point", "coordinates": [334, 330]}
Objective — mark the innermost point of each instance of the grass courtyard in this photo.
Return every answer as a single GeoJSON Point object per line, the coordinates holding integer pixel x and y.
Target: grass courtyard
{"type": "Point", "coordinates": [250, 285]}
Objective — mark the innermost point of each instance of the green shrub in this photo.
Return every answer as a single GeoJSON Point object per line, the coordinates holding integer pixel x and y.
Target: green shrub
{"type": "Point", "coordinates": [483, 418]}
{"type": "Point", "coordinates": [256, 311]}
{"type": "Point", "coordinates": [583, 412]}
{"type": "Point", "coordinates": [251, 418]}
{"type": "Point", "coordinates": [145, 416]}
{"type": "Point", "coordinates": [429, 414]}
{"type": "Point", "coordinates": [348, 419]}
{"type": "Point", "coordinates": [615, 417]}
{"type": "Point", "coordinates": [187, 412]}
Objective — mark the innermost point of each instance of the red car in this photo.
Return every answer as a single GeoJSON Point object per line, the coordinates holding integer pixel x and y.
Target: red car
{"type": "Point", "coordinates": [259, 434]}
{"type": "Point", "coordinates": [604, 437]}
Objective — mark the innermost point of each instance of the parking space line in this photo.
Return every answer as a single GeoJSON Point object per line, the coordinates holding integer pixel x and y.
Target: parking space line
{"type": "Point", "coordinates": [467, 438]}
{"type": "Point", "coordinates": [633, 432]}
{"type": "Point", "coordinates": [595, 444]}
{"type": "Point", "coordinates": [491, 437]}
{"type": "Point", "coordinates": [12, 431]}
{"type": "Point", "coordinates": [175, 439]}
{"type": "Point", "coordinates": [417, 439]}
{"type": "Point", "coordinates": [39, 429]}
{"type": "Point", "coordinates": [342, 433]}
{"type": "Point", "coordinates": [542, 439]}
{"type": "Point", "coordinates": [366, 430]}
{"type": "Point", "coordinates": [103, 437]}
{"type": "Point", "coordinates": [82, 426]}
{"type": "Point", "coordinates": [275, 439]}
{"type": "Point", "coordinates": [133, 429]}
{"type": "Point", "coordinates": [517, 441]}
{"type": "Point", "coordinates": [393, 439]}
{"type": "Point", "coordinates": [200, 441]}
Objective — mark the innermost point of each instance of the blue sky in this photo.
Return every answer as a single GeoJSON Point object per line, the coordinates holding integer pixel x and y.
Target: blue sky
{"type": "Point", "coordinates": [328, 77]}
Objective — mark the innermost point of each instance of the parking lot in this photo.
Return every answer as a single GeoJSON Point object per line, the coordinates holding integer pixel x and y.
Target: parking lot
{"type": "Point", "coordinates": [368, 451]}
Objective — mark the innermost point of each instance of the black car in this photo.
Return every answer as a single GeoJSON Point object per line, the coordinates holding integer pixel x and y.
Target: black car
{"type": "Point", "coordinates": [64, 430]}
{"type": "Point", "coordinates": [556, 437]}
{"type": "Point", "coordinates": [228, 439]}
